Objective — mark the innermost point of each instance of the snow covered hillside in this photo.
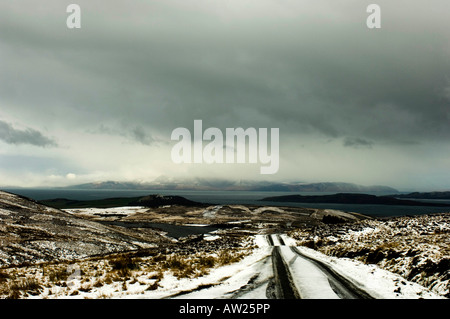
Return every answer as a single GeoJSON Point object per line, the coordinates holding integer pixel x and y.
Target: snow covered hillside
{"type": "Point", "coordinates": [415, 247]}
{"type": "Point", "coordinates": [32, 233]}
{"type": "Point", "coordinates": [253, 252]}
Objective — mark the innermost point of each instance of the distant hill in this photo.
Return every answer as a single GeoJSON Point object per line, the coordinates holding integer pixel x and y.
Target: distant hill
{"type": "Point", "coordinates": [163, 183]}
{"type": "Point", "coordinates": [329, 187]}
{"type": "Point", "coordinates": [31, 232]}
{"type": "Point", "coordinates": [147, 201]}
{"type": "Point", "coordinates": [346, 198]}
{"type": "Point", "coordinates": [161, 200]}
{"type": "Point", "coordinates": [425, 195]}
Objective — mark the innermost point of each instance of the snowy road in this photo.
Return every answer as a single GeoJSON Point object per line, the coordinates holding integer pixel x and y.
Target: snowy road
{"type": "Point", "coordinates": [299, 276]}
{"type": "Point", "coordinates": [280, 272]}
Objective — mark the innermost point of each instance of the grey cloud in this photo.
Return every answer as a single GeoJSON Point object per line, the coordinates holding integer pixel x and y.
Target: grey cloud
{"type": "Point", "coordinates": [141, 136]}
{"type": "Point", "coordinates": [357, 142]}
{"type": "Point", "coordinates": [30, 136]}
{"type": "Point", "coordinates": [328, 77]}
{"type": "Point", "coordinates": [136, 133]}
{"type": "Point", "coordinates": [139, 70]}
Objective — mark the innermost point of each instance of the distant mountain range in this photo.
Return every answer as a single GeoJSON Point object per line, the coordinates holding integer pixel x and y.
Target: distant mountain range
{"type": "Point", "coordinates": [164, 183]}
{"type": "Point", "coordinates": [426, 195]}
{"type": "Point", "coordinates": [345, 198]}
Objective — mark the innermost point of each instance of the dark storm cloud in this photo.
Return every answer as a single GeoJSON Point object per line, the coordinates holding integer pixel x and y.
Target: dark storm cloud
{"type": "Point", "coordinates": [137, 70]}
{"type": "Point", "coordinates": [141, 136]}
{"type": "Point", "coordinates": [357, 142]}
{"type": "Point", "coordinates": [10, 135]}
{"type": "Point", "coordinates": [137, 133]}
{"type": "Point", "coordinates": [272, 64]}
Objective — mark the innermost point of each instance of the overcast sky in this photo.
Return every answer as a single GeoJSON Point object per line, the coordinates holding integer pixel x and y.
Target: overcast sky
{"type": "Point", "coordinates": [353, 104]}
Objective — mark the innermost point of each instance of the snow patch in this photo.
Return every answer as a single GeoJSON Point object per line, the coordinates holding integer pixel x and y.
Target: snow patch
{"type": "Point", "coordinates": [380, 283]}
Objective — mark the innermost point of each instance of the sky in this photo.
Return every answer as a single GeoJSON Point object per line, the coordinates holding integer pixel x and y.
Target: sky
{"type": "Point", "coordinates": [352, 104]}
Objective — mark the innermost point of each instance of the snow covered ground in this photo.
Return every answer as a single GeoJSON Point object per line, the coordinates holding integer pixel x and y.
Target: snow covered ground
{"type": "Point", "coordinates": [380, 283]}
{"type": "Point", "coordinates": [248, 278]}
{"type": "Point", "coordinates": [34, 233]}
{"type": "Point", "coordinates": [104, 212]}
{"type": "Point", "coordinates": [375, 256]}
{"type": "Point", "coordinates": [416, 247]}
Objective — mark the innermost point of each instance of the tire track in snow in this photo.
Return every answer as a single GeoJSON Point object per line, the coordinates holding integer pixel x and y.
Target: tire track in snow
{"type": "Point", "coordinates": [343, 287]}
{"type": "Point", "coordinates": [284, 284]}
{"type": "Point", "coordinates": [299, 276]}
